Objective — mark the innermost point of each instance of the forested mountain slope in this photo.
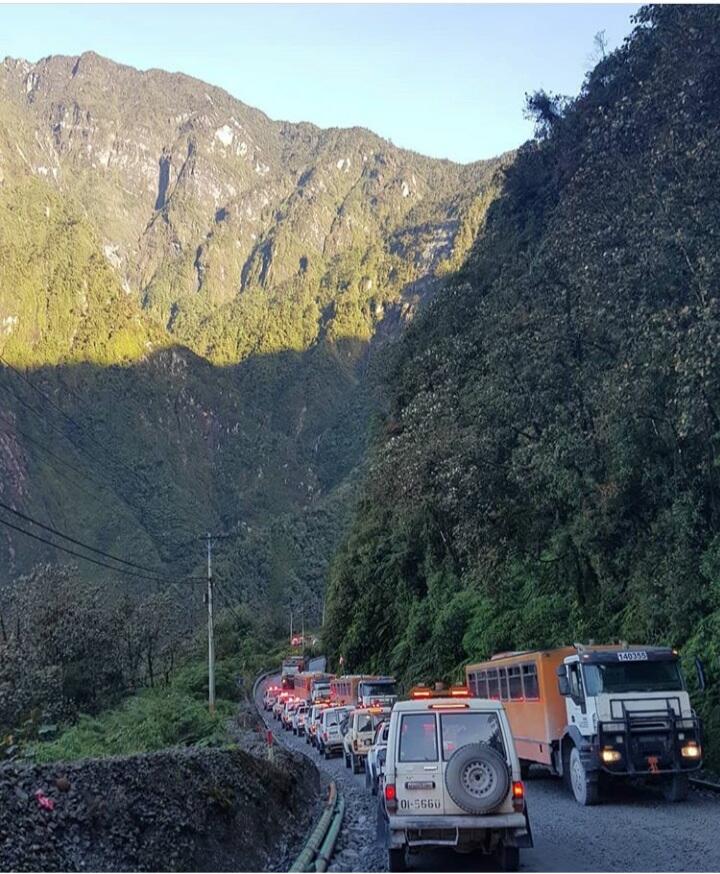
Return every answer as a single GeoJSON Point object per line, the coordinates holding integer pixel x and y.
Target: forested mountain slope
{"type": "Point", "coordinates": [190, 294]}
{"type": "Point", "coordinates": [547, 469]}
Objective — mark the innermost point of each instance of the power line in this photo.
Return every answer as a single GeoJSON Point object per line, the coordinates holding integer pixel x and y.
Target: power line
{"type": "Point", "coordinates": [70, 539]}
{"type": "Point", "coordinates": [62, 461]}
{"type": "Point", "coordinates": [86, 557]}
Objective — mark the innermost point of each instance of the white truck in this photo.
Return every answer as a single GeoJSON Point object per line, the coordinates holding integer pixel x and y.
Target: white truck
{"type": "Point", "coordinates": [598, 713]}
{"type": "Point", "coordinates": [376, 692]}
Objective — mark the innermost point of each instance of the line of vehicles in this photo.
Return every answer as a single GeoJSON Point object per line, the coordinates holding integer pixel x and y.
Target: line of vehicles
{"type": "Point", "coordinates": [448, 764]}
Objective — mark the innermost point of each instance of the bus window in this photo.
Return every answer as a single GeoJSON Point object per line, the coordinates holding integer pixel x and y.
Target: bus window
{"type": "Point", "coordinates": [482, 685]}
{"type": "Point", "coordinates": [515, 683]}
{"type": "Point", "coordinates": [493, 684]}
{"type": "Point", "coordinates": [530, 681]}
{"type": "Point", "coordinates": [504, 684]}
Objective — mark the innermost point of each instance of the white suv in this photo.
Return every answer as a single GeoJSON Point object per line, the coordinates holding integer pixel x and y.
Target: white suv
{"type": "Point", "coordinates": [329, 735]}
{"type": "Point", "coordinates": [452, 779]}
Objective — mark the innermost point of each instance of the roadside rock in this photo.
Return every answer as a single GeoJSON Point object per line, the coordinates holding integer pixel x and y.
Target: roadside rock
{"type": "Point", "coordinates": [175, 810]}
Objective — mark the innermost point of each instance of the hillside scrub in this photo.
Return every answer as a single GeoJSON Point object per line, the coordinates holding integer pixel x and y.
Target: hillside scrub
{"type": "Point", "coordinates": [111, 675]}
{"type": "Point", "coordinates": [547, 468]}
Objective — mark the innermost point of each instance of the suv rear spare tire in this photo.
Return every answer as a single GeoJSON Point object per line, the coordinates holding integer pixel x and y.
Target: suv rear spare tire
{"type": "Point", "coordinates": [477, 778]}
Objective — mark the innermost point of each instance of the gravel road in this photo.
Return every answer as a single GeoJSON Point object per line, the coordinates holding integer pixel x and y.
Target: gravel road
{"type": "Point", "coordinates": [636, 831]}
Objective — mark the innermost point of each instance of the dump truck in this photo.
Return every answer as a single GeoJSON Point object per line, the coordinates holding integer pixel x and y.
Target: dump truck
{"type": "Point", "coordinates": [597, 714]}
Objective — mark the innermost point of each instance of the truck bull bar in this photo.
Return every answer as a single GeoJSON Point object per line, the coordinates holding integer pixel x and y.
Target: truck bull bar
{"type": "Point", "coordinates": [648, 740]}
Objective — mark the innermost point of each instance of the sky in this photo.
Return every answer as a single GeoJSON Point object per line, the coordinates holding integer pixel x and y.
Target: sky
{"type": "Point", "coordinates": [445, 80]}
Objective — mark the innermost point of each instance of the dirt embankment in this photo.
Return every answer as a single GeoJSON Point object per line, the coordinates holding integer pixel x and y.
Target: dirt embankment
{"type": "Point", "coordinates": [176, 810]}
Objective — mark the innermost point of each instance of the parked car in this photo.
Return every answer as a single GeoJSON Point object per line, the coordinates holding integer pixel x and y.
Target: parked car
{"type": "Point", "coordinates": [312, 722]}
{"type": "Point", "coordinates": [358, 735]}
{"type": "Point", "coordinates": [279, 704]}
{"type": "Point", "coordinates": [329, 735]}
{"type": "Point", "coordinates": [298, 718]}
{"type": "Point", "coordinates": [270, 697]}
{"type": "Point", "coordinates": [287, 713]}
{"type": "Point", "coordinates": [376, 756]}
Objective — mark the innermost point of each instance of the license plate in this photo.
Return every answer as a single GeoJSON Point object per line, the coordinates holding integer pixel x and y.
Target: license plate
{"type": "Point", "coordinates": [639, 656]}
{"type": "Point", "coordinates": [420, 804]}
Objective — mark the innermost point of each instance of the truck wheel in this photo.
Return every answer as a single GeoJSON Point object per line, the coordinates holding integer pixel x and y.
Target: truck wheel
{"type": "Point", "coordinates": [326, 753]}
{"type": "Point", "coordinates": [525, 769]}
{"type": "Point", "coordinates": [374, 786]}
{"type": "Point", "coordinates": [397, 860]}
{"type": "Point", "coordinates": [368, 781]}
{"type": "Point", "coordinates": [676, 788]}
{"type": "Point", "coordinates": [355, 763]}
{"type": "Point", "coordinates": [584, 789]}
{"type": "Point", "coordinates": [477, 778]}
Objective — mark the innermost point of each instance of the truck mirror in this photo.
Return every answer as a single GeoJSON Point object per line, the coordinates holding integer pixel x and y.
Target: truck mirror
{"type": "Point", "coordinates": [563, 682]}
{"type": "Point", "coordinates": [701, 678]}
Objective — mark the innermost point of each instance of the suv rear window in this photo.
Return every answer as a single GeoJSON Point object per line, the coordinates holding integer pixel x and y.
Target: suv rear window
{"type": "Point", "coordinates": [460, 729]}
{"type": "Point", "coordinates": [418, 738]}
{"type": "Point", "coordinates": [364, 723]}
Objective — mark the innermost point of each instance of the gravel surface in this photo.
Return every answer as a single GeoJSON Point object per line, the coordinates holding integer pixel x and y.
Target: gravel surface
{"type": "Point", "coordinates": [637, 830]}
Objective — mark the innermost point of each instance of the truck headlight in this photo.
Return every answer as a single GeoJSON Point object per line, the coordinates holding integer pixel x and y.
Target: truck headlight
{"type": "Point", "coordinates": [609, 755]}
{"type": "Point", "coordinates": [691, 750]}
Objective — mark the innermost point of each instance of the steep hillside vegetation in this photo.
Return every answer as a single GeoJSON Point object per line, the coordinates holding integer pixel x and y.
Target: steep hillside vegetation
{"type": "Point", "coordinates": [547, 469]}
{"type": "Point", "coordinates": [191, 295]}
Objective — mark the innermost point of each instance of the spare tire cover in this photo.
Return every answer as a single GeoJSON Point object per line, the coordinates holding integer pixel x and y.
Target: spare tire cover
{"type": "Point", "coordinates": [477, 778]}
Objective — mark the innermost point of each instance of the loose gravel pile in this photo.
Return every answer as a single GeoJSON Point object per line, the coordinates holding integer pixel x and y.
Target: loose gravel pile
{"type": "Point", "coordinates": [176, 810]}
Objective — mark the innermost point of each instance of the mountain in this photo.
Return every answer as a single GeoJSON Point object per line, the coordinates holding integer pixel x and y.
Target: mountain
{"type": "Point", "coordinates": [194, 301]}
{"type": "Point", "coordinates": [547, 469]}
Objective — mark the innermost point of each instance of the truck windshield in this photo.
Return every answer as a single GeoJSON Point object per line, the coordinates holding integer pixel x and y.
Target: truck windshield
{"type": "Point", "coordinates": [633, 677]}
{"type": "Point", "coordinates": [369, 690]}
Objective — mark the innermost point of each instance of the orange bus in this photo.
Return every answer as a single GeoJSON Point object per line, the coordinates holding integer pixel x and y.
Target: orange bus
{"type": "Point", "coordinates": [308, 682]}
{"type": "Point", "coordinates": [526, 683]}
{"type": "Point", "coordinates": [344, 690]}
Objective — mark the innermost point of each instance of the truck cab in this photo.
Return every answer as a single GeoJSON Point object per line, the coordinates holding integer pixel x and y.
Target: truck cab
{"type": "Point", "coordinates": [628, 714]}
{"type": "Point", "coordinates": [376, 692]}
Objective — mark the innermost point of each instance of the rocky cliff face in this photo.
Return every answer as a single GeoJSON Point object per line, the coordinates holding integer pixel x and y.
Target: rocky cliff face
{"type": "Point", "coordinates": [142, 211]}
{"type": "Point", "coordinates": [196, 197]}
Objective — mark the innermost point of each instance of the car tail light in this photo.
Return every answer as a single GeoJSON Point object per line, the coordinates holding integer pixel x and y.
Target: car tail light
{"type": "Point", "coordinates": [518, 796]}
{"type": "Point", "coordinates": [390, 797]}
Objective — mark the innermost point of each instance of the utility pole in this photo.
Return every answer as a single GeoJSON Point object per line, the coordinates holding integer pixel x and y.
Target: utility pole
{"type": "Point", "coordinates": [211, 628]}
{"type": "Point", "coordinates": [291, 618]}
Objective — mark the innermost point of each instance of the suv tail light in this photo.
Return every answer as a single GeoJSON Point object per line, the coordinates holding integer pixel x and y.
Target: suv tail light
{"type": "Point", "coordinates": [518, 796]}
{"type": "Point", "coordinates": [390, 797]}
